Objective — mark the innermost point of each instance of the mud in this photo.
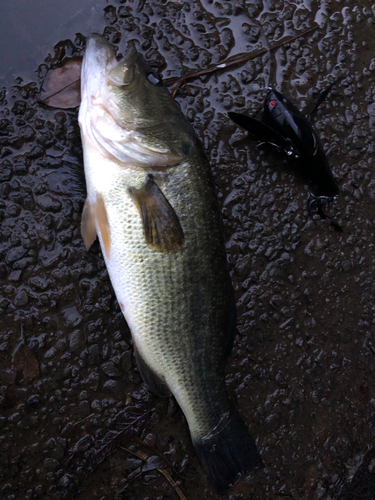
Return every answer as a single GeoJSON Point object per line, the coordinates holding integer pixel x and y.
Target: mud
{"type": "Point", "coordinates": [303, 365]}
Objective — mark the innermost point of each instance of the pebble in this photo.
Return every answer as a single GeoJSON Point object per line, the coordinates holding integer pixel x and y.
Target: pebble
{"type": "Point", "coordinates": [21, 298]}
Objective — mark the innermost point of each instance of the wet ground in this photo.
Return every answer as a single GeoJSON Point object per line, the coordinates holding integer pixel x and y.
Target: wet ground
{"type": "Point", "coordinates": [303, 365]}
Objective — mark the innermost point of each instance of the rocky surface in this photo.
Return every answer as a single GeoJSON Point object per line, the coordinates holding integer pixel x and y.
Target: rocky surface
{"type": "Point", "coordinates": [303, 365]}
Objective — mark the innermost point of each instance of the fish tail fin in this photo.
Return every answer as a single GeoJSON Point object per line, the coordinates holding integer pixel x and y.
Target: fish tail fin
{"type": "Point", "coordinates": [228, 453]}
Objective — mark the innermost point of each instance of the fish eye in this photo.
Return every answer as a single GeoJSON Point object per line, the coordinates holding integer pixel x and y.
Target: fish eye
{"type": "Point", "coordinates": [154, 78]}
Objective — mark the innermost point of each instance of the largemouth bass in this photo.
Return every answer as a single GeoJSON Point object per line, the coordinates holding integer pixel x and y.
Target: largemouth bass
{"type": "Point", "coordinates": [151, 202]}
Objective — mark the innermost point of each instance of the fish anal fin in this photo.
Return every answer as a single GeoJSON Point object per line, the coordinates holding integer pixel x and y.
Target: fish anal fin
{"type": "Point", "coordinates": [153, 381]}
{"type": "Point", "coordinates": [102, 219]}
{"type": "Point", "coordinates": [88, 227]}
{"type": "Point", "coordinates": [161, 226]}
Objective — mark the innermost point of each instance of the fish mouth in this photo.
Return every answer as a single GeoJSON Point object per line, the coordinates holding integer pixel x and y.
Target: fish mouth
{"type": "Point", "coordinates": [100, 58]}
{"type": "Point", "coordinates": [99, 52]}
{"type": "Point", "coordinates": [99, 46]}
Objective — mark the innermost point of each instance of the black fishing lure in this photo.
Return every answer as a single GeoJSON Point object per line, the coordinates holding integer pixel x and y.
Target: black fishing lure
{"type": "Point", "coordinates": [286, 128]}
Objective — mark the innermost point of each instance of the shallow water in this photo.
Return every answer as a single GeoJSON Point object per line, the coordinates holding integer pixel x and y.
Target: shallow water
{"type": "Point", "coordinates": [303, 365]}
{"type": "Point", "coordinates": [30, 29]}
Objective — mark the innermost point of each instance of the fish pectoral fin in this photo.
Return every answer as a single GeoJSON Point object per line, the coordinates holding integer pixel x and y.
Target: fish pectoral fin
{"type": "Point", "coordinates": [88, 226]}
{"type": "Point", "coordinates": [161, 226]}
{"type": "Point", "coordinates": [102, 219]}
{"type": "Point", "coordinates": [153, 381]}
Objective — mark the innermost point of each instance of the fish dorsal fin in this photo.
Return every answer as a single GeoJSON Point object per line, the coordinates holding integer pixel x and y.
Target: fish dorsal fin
{"type": "Point", "coordinates": [161, 226]}
{"type": "Point", "coordinates": [88, 226]}
{"type": "Point", "coordinates": [153, 381]}
{"type": "Point", "coordinates": [102, 220]}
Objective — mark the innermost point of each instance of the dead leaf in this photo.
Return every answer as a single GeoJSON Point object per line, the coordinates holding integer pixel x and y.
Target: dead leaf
{"type": "Point", "coordinates": [62, 86]}
{"type": "Point", "coordinates": [25, 362]}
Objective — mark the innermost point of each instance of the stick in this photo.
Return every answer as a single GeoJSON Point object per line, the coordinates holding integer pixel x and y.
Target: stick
{"type": "Point", "coordinates": [163, 457]}
{"type": "Point", "coordinates": [79, 421]}
{"type": "Point", "coordinates": [167, 476]}
{"type": "Point", "coordinates": [177, 81]}
{"type": "Point", "coordinates": [60, 90]}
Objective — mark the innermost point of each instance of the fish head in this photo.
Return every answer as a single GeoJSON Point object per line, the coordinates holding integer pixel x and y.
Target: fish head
{"type": "Point", "coordinates": [127, 112]}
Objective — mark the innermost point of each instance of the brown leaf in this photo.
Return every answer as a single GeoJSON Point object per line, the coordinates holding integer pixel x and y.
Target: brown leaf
{"type": "Point", "coordinates": [62, 86]}
{"type": "Point", "coordinates": [25, 362]}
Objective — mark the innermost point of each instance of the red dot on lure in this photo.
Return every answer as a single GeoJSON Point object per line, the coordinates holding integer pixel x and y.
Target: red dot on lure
{"type": "Point", "coordinates": [273, 104]}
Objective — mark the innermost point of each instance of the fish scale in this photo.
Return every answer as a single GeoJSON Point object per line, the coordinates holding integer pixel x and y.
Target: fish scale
{"type": "Point", "coordinates": [173, 288]}
{"type": "Point", "coordinates": [149, 298]}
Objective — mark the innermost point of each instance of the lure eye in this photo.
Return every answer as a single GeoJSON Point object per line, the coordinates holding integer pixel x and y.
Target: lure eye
{"type": "Point", "coordinates": [154, 78]}
{"type": "Point", "coordinates": [272, 104]}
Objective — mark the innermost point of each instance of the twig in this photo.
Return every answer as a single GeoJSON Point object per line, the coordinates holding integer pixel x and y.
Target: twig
{"type": "Point", "coordinates": [88, 416]}
{"type": "Point", "coordinates": [139, 454]}
{"type": "Point", "coordinates": [172, 483]}
{"type": "Point", "coordinates": [60, 90]}
{"type": "Point", "coordinates": [177, 81]}
{"type": "Point", "coordinates": [163, 457]}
